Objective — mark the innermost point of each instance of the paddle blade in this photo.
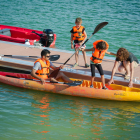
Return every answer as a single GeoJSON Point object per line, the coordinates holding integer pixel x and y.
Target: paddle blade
{"type": "Point", "coordinates": [99, 26]}
{"type": "Point", "coordinates": [54, 57]}
{"type": "Point", "coordinates": [75, 83]}
{"type": "Point", "coordinates": [54, 73]}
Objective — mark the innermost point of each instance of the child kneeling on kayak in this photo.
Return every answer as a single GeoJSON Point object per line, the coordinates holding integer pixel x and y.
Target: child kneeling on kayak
{"type": "Point", "coordinates": [128, 61]}
{"type": "Point", "coordinates": [99, 49]}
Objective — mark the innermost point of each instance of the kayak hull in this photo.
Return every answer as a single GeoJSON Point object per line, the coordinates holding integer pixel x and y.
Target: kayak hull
{"type": "Point", "coordinates": [20, 35]}
{"type": "Point", "coordinates": [82, 91]}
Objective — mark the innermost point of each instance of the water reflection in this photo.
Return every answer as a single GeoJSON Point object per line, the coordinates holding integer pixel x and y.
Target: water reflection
{"type": "Point", "coordinates": [86, 118]}
{"type": "Point", "coordinates": [51, 115]}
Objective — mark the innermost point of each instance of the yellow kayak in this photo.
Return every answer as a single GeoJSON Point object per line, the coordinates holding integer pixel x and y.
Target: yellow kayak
{"type": "Point", "coordinates": [114, 92]}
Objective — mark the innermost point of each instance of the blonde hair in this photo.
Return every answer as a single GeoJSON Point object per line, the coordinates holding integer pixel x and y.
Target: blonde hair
{"type": "Point", "coordinates": [122, 54]}
{"type": "Point", "coordinates": [78, 20]}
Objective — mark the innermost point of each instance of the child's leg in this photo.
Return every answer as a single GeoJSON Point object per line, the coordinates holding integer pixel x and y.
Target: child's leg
{"type": "Point", "coordinates": [85, 57]}
{"type": "Point", "coordinates": [76, 55]}
{"type": "Point", "coordinates": [92, 80]}
{"type": "Point", "coordinates": [103, 80]}
{"type": "Point", "coordinates": [99, 67]}
{"type": "Point", "coordinates": [121, 67]}
{"type": "Point", "coordinates": [92, 66]}
{"type": "Point", "coordinates": [126, 65]}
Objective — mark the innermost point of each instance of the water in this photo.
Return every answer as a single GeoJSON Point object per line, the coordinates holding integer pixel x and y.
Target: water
{"type": "Point", "coordinates": [123, 29]}
{"type": "Point", "coordinates": [27, 114]}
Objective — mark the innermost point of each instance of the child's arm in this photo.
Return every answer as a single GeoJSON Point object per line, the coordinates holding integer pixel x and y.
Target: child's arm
{"type": "Point", "coordinates": [110, 53]}
{"type": "Point", "coordinates": [113, 72]}
{"type": "Point", "coordinates": [72, 47]}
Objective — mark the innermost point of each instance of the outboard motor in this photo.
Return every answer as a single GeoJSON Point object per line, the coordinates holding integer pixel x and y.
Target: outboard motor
{"type": "Point", "coordinates": [50, 36]}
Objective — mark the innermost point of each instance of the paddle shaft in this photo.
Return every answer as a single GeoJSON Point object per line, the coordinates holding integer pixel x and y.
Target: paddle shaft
{"type": "Point", "coordinates": [78, 49]}
{"type": "Point", "coordinates": [69, 84]}
{"type": "Point", "coordinates": [20, 56]}
{"type": "Point", "coordinates": [52, 57]}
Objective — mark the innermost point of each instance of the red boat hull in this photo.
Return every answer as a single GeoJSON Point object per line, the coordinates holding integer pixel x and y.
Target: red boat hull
{"type": "Point", "coordinates": [19, 35]}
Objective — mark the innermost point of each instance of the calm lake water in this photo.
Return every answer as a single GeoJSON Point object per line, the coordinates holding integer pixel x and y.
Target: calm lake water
{"type": "Point", "coordinates": [28, 114]}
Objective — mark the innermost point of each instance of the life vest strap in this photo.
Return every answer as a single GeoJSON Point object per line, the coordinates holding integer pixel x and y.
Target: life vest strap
{"type": "Point", "coordinates": [96, 58]}
{"type": "Point", "coordinates": [45, 67]}
{"type": "Point", "coordinates": [79, 36]}
{"type": "Point", "coordinates": [42, 73]}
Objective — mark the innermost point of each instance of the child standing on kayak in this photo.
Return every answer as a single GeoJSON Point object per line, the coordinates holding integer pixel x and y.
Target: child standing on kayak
{"type": "Point", "coordinates": [99, 49]}
{"type": "Point", "coordinates": [78, 35]}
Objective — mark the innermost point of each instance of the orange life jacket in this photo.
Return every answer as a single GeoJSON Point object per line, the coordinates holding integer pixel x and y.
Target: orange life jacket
{"type": "Point", "coordinates": [45, 69]}
{"type": "Point", "coordinates": [78, 34]}
{"type": "Point", "coordinates": [97, 55]}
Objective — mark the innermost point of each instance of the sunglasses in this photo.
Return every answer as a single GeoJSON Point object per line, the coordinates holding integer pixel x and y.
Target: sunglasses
{"type": "Point", "coordinates": [48, 56]}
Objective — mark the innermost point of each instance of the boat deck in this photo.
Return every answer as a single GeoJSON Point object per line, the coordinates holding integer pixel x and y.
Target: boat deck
{"type": "Point", "coordinates": [8, 48]}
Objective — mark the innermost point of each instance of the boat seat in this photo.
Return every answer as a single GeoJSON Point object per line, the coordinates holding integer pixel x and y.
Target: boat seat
{"type": "Point", "coordinates": [5, 32]}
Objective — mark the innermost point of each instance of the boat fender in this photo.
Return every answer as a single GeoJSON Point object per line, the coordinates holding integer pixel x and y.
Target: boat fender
{"type": "Point", "coordinates": [30, 42]}
{"type": "Point", "coordinates": [27, 42]}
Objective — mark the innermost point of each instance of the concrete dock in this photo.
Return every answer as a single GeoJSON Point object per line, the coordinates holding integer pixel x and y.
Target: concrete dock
{"type": "Point", "coordinates": [80, 72]}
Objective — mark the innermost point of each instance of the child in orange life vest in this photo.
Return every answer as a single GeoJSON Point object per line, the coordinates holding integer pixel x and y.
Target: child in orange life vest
{"type": "Point", "coordinates": [78, 35]}
{"type": "Point", "coordinates": [100, 47]}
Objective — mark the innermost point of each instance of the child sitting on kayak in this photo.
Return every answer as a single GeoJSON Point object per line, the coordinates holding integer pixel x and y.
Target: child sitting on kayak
{"type": "Point", "coordinates": [99, 49]}
{"type": "Point", "coordinates": [78, 35]}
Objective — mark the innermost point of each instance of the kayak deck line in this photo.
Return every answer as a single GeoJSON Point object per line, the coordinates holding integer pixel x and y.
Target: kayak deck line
{"type": "Point", "coordinates": [78, 72]}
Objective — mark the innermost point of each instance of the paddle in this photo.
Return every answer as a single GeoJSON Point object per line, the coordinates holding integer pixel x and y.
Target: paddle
{"type": "Point", "coordinates": [98, 27]}
{"type": "Point", "coordinates": [75, 83]}
{"type": "Point", "coordinates": [52, 57]}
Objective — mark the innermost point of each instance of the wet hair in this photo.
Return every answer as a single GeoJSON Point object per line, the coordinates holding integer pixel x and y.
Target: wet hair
{"type": "Point", "coordinates": [122, 54]}
{"type": "Point", "coordinates": [78, 20]}
{"type": "Point", "coordinates": [44, 52]}
{"type": "Point", "coordinates": [101, 45]}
